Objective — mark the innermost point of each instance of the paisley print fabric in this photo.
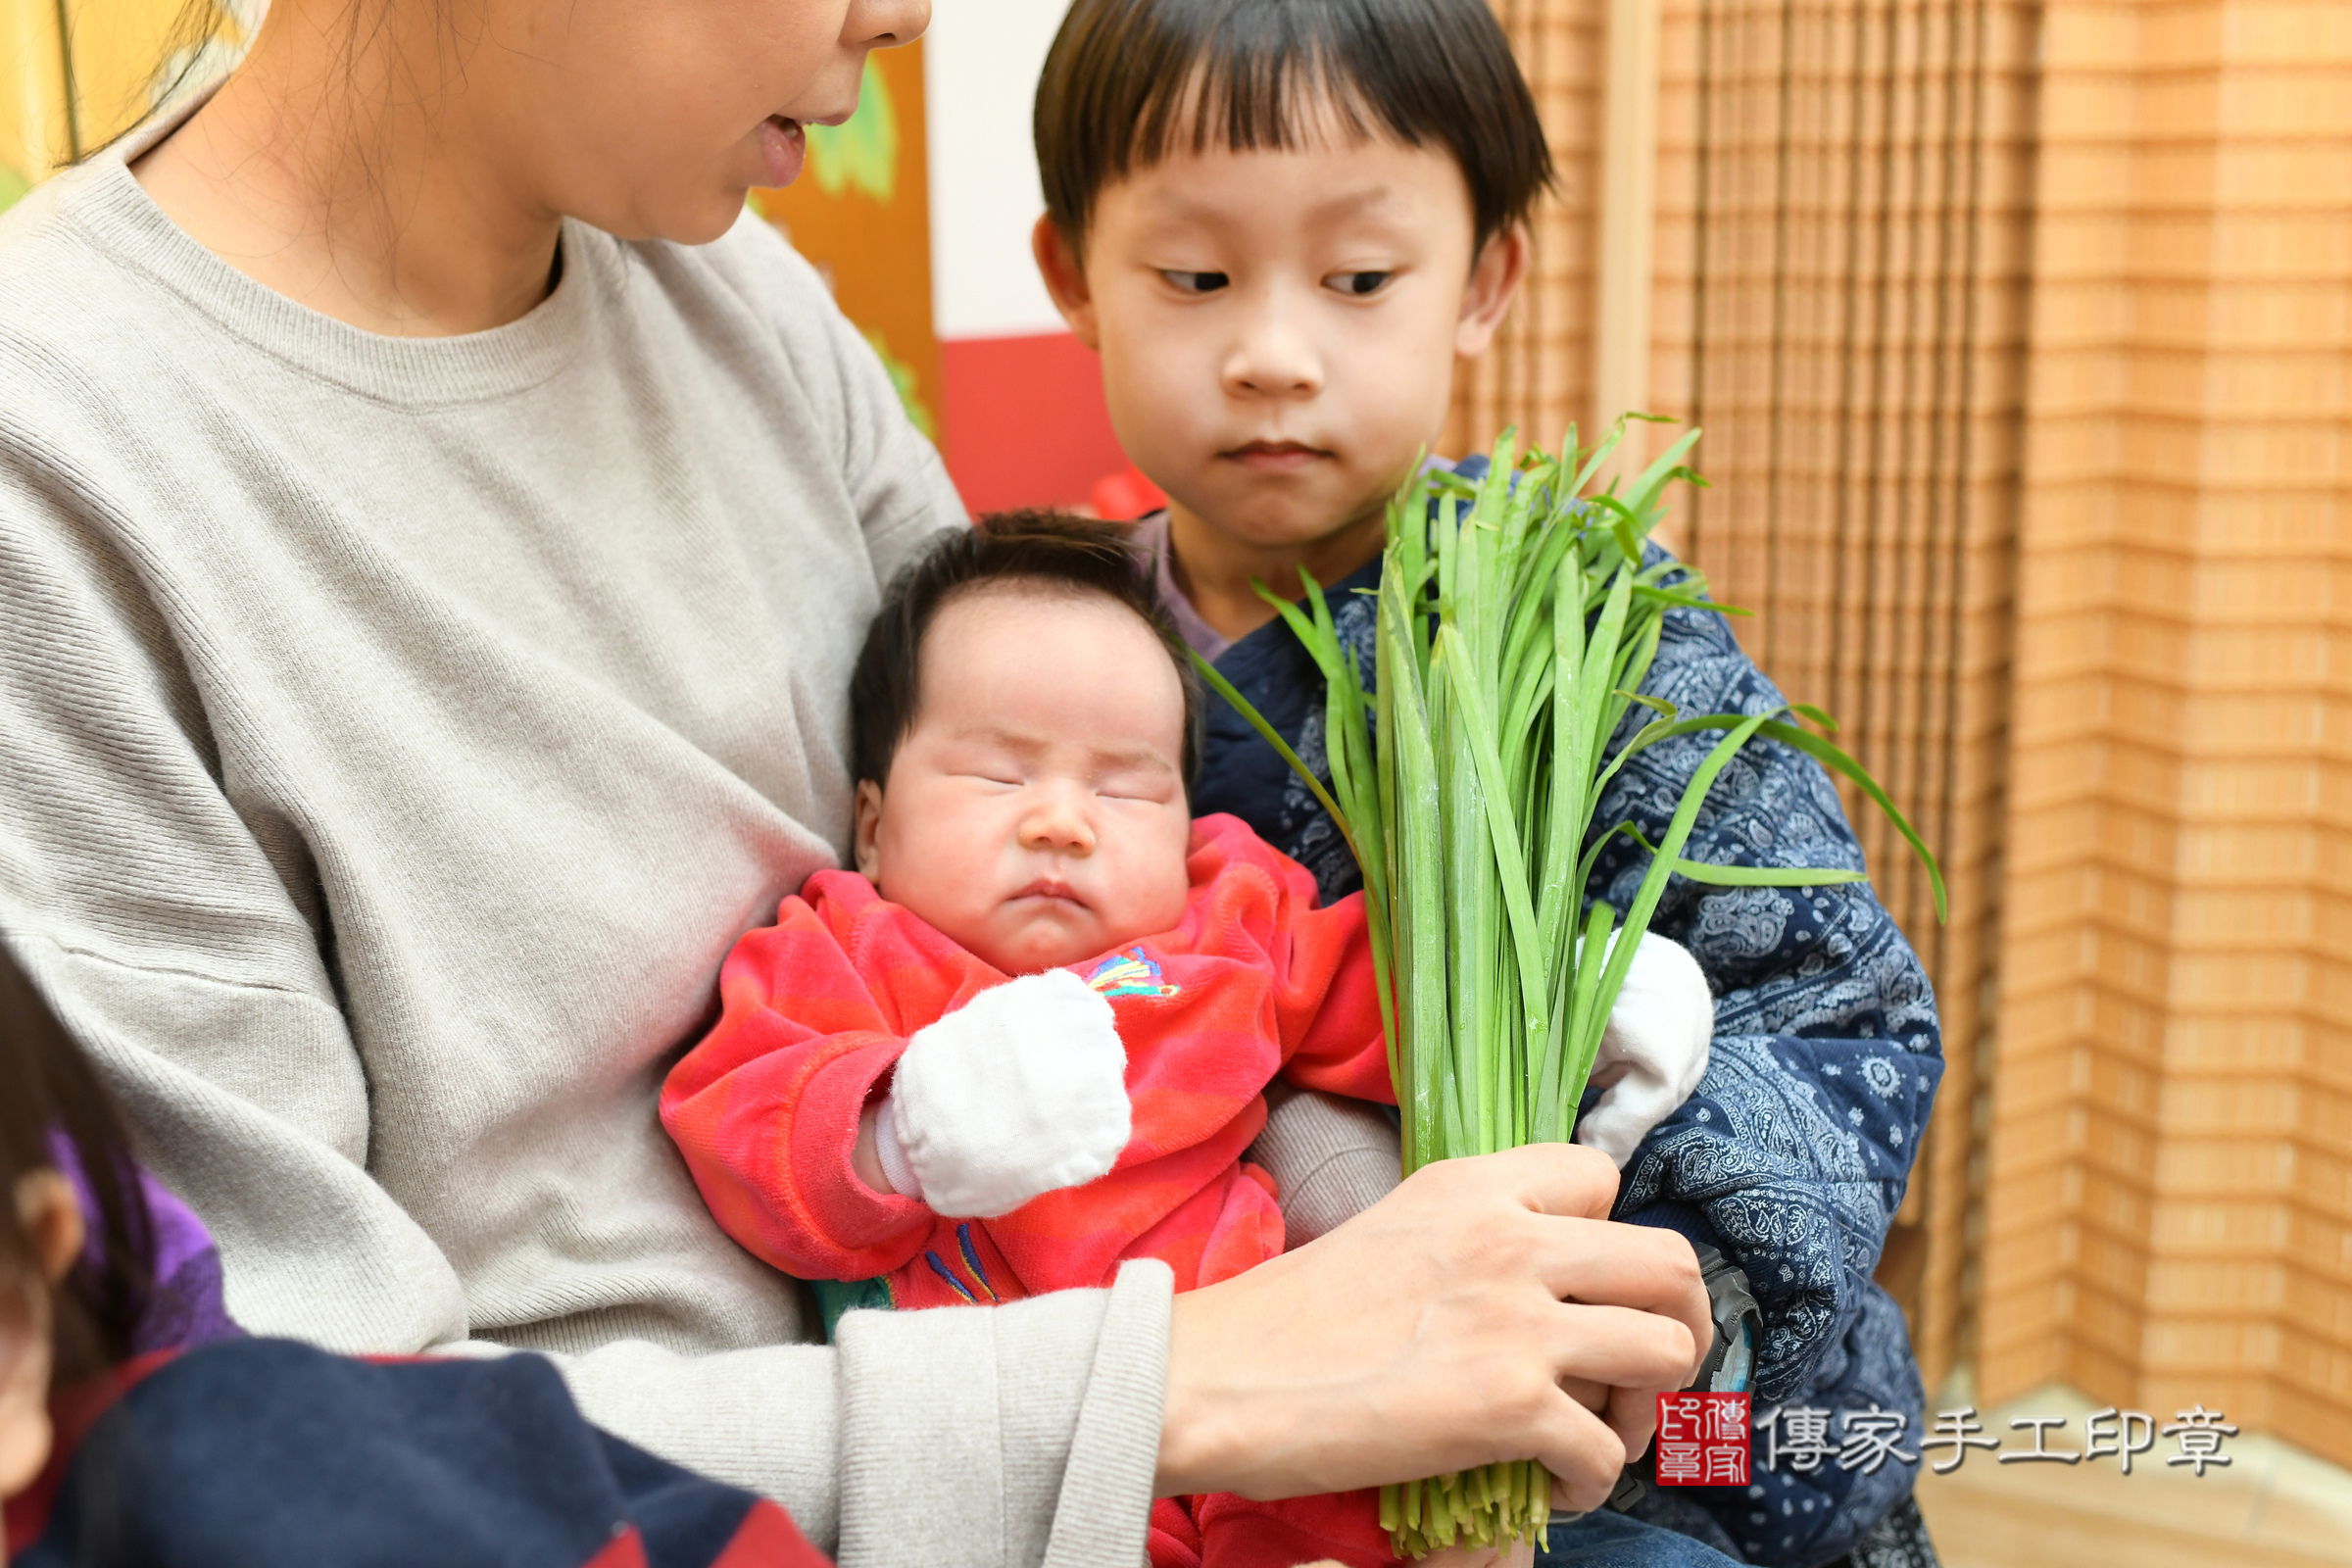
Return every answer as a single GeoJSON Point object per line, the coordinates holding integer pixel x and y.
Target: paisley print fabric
{"type": "Point", "coordinates": [1793, 1153]}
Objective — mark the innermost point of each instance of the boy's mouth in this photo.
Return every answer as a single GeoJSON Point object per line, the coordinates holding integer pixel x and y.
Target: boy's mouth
{"type": "Point", "coordinates": [783, 147]}
{"type": "Point", "coordinates": [1276, 457]}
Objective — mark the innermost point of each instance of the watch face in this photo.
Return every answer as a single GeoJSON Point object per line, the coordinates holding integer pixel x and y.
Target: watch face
{"type": "Point", "coordinates": [1738, 1360]}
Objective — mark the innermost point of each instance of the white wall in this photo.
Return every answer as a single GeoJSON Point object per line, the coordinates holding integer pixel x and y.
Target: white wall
{"type": "Point", "coordinates": [981, 61]}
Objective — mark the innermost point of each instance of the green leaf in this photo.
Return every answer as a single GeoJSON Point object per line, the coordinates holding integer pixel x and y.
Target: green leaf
{"type": "Point", "coordinates": [1752, 876]}
{"type": "Point", "coordinates": [1828, 724]}
{"type": "Point", "coordinates": [1256, 721]}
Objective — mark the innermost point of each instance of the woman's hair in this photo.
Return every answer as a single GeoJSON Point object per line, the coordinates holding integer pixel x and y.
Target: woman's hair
{"type": "Point", "coordinates": [1128, 82]}
{"type": "Point", "coordinates": [1049, 552]}
{"type": "Point", "coordinates": [55, 1114]}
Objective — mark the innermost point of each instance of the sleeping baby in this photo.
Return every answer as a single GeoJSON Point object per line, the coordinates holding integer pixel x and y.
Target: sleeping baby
{"type": "Point", "coordinates": [1030, 1037]}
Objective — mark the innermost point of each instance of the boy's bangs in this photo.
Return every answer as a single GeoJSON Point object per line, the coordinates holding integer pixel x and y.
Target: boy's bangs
{"type": "Point", "coordinates": [1246, 100]}
{"type": "Point", "coordinates": [1131, 83]}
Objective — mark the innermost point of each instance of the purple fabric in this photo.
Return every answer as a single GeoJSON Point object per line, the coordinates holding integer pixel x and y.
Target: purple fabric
{"type": "Point", "coordinates": [1151, 541]}
{"type": "Point", "coordinates": [186, 1307]}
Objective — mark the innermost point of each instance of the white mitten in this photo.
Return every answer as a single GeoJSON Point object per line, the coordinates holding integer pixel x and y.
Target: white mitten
{"type": "Point", "coordinates": [1654, 1049]}
{"type": "Point", "coordinates": [1020, 1091]}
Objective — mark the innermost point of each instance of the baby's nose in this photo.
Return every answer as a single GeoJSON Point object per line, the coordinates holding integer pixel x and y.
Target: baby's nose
{"type": "Point", "coordinates": [1059, 823]}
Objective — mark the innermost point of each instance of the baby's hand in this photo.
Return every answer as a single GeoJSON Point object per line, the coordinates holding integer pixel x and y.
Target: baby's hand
{"type": "Point", "coordinates": [1020, 1091]}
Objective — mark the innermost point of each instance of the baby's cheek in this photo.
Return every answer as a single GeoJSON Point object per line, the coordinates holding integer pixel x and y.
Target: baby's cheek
{"type": "Point", "coordinates": [1170, 885]}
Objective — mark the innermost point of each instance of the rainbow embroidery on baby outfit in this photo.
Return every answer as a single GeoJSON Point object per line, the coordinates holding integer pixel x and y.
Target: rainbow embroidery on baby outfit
{"type": "Point", "coordinates": [1129, 974]}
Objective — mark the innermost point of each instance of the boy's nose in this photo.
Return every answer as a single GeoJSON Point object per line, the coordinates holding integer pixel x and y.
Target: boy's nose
{"type": "Point", "coordinates": [1274, 358]}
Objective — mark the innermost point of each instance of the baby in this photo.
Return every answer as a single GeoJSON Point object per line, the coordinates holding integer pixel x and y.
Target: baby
{"type": "Point", "coordinates": [1029, 1038]}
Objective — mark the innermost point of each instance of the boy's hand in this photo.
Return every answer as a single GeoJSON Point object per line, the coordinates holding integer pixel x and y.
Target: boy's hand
{"type": "Point", "coordinates": [1654, 1051]}
{"type": "Point", "coordinates": [1020, 1091]}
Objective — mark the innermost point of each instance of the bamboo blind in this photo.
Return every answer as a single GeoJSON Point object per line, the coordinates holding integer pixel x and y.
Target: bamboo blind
{"type": "Point", "coordinates": [1837, 301]}
{"type": "Point", "coordinates": [2170, 1214]}
{"type": "Point", "coordinates": [1539, 374]}
{"type": "Point", "coordinates": [1842, 288]}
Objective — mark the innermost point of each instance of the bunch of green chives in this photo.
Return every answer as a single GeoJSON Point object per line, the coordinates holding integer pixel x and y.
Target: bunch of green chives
{"type": "Point", "coordinates": [1517, 621]}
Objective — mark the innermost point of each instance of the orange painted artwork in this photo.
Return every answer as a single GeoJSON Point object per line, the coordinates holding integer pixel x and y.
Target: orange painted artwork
{"type": "Point", "coordinates": [76, 73]}
{"type": "Point", "coordinates": [861, 212]}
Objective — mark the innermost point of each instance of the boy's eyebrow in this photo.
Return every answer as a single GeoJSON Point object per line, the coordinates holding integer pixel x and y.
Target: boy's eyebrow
{"type": "Point", "coordinates": [1172, 207]}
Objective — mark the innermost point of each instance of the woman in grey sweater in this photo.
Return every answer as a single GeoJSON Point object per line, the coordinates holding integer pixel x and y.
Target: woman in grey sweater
{"type": "Point", "coordinates": [434, 532]}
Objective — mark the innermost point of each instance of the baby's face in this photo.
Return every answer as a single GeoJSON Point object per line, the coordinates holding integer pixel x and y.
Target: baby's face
{"type": "Point", "coordinates": [1279, 328]}
{"type": "Point", "coordinates": [1035, 812]}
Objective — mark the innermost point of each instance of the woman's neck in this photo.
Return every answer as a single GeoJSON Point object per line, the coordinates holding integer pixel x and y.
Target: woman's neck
{"type": "Point", "coordinates": [1215, 570]}
{"type": "Point", "coordinates": [327, 172]}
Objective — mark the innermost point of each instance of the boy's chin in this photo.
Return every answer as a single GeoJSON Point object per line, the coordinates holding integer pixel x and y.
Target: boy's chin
{"type": "Point", "coordinates": [1275, 515]}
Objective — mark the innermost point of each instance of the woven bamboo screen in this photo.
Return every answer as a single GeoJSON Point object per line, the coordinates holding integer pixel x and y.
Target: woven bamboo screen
{"type": "Point", "coordinates": [1837, 301]}
{"type": "Point", "coordinates": [1539, 374]}
{"type": "Point", "coordinates": [1840, 304]}
{"type": "Point", "coordinates": [2171, 1197]}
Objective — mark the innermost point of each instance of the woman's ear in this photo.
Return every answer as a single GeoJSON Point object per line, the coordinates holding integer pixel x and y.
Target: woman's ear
{"type": "Point", "coordinates": [1494, 279]}
{"type": "Point", "coordinates": [864, 838]}
{"type": "Point", "coordinates": [1058, 262]}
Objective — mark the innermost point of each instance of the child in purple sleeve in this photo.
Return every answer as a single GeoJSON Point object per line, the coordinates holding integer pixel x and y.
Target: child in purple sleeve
{"type": "Point", "coordinates": [139, 1425]}
{"type": "Point", "coordinates": [179, 1300]}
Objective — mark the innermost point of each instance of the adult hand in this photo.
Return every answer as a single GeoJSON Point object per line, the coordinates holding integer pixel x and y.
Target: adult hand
{"type": "Point", "coordinates": [1444, 1327]}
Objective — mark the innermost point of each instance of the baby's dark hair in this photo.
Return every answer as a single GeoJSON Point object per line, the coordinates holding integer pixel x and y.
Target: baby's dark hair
{"type": "Point", "coordinates": [1128, 82]}
{"type": "Point", "coordinates": [1049, 552]}
{"type": "Point", "coordinates": [55, 1114]}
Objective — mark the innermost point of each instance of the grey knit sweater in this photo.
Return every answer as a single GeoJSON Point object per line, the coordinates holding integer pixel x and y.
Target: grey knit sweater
{"type": "Point", "coordinates": [395, 735]}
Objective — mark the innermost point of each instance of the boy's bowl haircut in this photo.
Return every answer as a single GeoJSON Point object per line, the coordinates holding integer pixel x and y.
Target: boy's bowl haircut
{"type": "Point", "coordinates": [1130, 82]}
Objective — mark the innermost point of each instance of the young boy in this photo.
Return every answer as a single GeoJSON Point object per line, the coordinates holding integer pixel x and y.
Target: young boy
{"type": "Point", "coordinates": [1281, 224]}
{"type": "Point", "coordinates": [1029, 1038]}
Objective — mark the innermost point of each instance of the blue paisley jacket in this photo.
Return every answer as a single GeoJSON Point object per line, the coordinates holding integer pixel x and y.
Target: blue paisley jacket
{"type": "Point", "coordinates": [1793, 1155]}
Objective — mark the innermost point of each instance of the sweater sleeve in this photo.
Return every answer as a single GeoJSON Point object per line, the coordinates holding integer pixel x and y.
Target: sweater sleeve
{"type": "Point", "coordinates": [1794, 1153]}
{"type": "Point", "coordinates": [765, 1107]}
{"type": "Point", "coordinates": [184, 942]}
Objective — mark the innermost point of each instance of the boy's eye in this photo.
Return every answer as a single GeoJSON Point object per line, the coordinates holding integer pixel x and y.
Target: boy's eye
{"type": "Point", "coordinates": [1196, 282]}
{"type": "Point", "coordinates": [1359, 284]}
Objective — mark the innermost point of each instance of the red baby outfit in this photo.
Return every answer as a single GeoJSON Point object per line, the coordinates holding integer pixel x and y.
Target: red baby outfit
{"type": "Point", "coordinates": [1254, 981]}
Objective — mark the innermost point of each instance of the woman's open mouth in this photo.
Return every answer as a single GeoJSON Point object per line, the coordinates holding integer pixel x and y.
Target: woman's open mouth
{"type": "Point", "coordinates": [783, 146]}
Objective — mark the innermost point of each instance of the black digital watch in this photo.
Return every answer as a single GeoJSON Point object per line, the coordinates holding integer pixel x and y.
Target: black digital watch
{"type": "Point", "coordinates": [1731, 1360]}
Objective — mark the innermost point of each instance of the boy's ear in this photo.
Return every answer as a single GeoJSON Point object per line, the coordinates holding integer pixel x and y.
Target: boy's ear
{"type": "Point", "coordinates": [870, 825]}
{"type": "Point", "coordinates": [1065, 279]}
{"type": "Point", "coordinates": [1494, 279]}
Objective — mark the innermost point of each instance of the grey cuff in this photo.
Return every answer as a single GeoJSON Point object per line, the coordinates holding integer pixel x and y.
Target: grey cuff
{"type": "Point", "coordinates": [1331, 1158]}
{"type": "Point", "coordinates": [1020, 1435]}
